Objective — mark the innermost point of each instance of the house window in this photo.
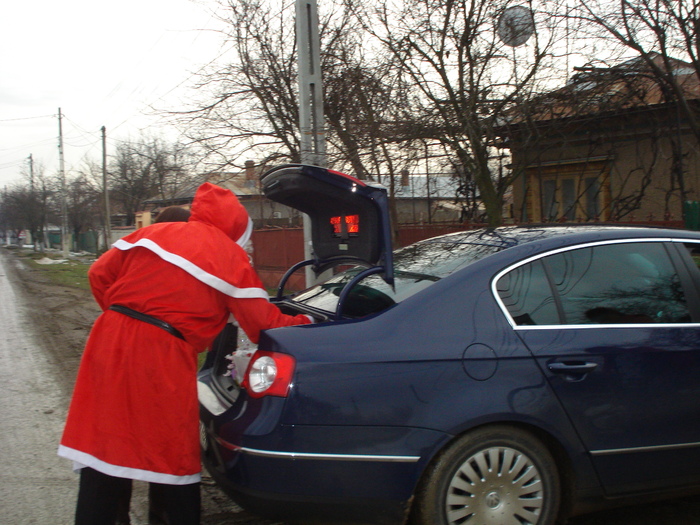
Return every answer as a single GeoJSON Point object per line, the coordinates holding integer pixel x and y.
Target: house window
{"type": "Point", "coordinates": [578, 192]}
{"type": "Point", "coordinates": [592, 197]}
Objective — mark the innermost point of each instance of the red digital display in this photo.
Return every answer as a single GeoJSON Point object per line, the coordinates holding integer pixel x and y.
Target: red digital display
{"type": "Point", "coordinates": [345, 225]}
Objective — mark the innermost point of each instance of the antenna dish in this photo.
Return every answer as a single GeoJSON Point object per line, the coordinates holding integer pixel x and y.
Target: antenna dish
{"type": "Point", "coordinates": [515, 26]}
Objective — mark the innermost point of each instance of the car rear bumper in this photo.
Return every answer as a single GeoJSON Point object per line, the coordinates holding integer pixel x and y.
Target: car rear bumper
{"type": "Point", "coordinates": [316, 485]}
{"type": "Point", "coordinates": [303, 506]}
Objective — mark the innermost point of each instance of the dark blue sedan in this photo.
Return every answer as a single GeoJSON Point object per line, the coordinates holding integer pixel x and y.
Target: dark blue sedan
{"type": "Point", "coordinates": [500, 376]}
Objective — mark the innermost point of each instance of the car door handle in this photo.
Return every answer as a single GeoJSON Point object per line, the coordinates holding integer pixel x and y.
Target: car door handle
{"type": "Point", "coordinates": [572, 368]}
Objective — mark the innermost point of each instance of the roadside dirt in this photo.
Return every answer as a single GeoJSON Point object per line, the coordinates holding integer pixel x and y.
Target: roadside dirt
{"type": "Point", "coordinates": [62, 317]}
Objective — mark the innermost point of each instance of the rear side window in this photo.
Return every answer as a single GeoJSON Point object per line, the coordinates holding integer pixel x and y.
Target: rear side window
{"type": "Point", "coordinates": [629, 283]}
{"type": "Point", "coordinates": [526, 292]}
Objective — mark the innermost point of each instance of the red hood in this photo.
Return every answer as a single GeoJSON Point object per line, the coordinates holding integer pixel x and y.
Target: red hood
{"type": "Point", "coordinates": [219, 207]}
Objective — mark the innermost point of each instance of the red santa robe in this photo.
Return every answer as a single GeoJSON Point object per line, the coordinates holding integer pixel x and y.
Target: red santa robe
{"type": "Point", "coordinates": [134, 411]}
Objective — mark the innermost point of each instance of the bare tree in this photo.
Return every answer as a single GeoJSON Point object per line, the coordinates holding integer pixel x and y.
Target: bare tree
{"type": "Point", "coordinates": [83, 204]}
{"type": "Point", "coordinates": [27, 205]}
{"type": "Point", "coordinates": [247, 107]}
{"type": "Point", "coordinates": [146, 168]}
{"type": "Point", "coordinates": [660, 32]}
{"type": "Point", "coordinates": [465, 79]}
{"type": "Point", "coordinates": [36, 206]}
{"type": "Point", "coordinates": [251, 106]}
{"type": "Point", "coordinates": [395, 79]}
{"type": "Point", "coordinates": [13, 209]}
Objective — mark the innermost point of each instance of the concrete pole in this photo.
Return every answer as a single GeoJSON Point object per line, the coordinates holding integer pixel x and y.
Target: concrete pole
{"type": "Point", "coordinates": [105, 189]}
{"type": "Point", "coordinates": [311, 123]}
{"type": "Point", "coordinates": [64, 206]}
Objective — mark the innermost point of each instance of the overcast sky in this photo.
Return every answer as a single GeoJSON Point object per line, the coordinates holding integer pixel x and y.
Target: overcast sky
{"type": "Point", "coordinates": [103, 63]}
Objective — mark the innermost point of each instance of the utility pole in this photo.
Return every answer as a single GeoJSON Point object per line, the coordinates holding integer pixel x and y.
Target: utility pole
{"type": "Point", "coordinates": [311, 124]}
{"type": "Point", "coordinates": [64, 207]}
{"type": "Point", "coordinates": [32, 201]}
{"type": "Point", "coordinates": [108, 222]}
{"type": "Point", "coordinates": [31, 174]}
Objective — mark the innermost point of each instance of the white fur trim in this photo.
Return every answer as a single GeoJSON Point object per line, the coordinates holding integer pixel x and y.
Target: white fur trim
{"type": "Point", "coordinates": [194, 270]}
{"type": "Point", "coordinates": [246, 234]}
{"type": "Point", "coordinates": [82, 459]}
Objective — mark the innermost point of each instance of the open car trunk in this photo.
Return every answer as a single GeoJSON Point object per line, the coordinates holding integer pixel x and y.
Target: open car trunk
{"type": "Point", "coordinates": [349, 226]}
{"type": "Point", "coordinates": [349, 217]}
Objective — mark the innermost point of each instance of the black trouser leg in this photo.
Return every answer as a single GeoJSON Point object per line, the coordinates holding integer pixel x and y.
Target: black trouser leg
{"type": "Point", "coordinates": [182, 503]}
{"type": "Point", "coordinates": [101, 498]}
{"type": "Point", "coordinates": [156, 506]}
{"type": "Point", "coordinates": [123, 507]}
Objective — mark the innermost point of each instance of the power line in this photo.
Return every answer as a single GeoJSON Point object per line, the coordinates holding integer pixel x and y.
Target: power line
{"type": "Point", "coordinates": [27, 146]}
{"type": "Point", "coordinates": [26, 118]}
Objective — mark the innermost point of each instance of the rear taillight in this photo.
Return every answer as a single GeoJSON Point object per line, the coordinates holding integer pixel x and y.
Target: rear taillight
{"type": "Point", "coordinates": [269, 374]}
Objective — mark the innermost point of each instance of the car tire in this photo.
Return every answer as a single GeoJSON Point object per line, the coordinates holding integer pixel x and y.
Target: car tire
{"type": "Point", "coordinates": [496, 475]}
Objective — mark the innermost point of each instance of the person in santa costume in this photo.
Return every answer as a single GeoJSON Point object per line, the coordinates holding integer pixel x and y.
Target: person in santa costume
{"type": "Point", "coordinates": [166, 291]}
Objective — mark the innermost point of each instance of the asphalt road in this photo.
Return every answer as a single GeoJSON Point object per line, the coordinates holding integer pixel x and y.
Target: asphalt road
{"type": "Point", "coordinates": [36, 487]}
{"type": "Point", "coordinates": [42, 330]}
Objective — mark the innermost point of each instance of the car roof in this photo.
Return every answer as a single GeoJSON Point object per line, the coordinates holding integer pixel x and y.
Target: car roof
{"type": "Point", "coordinates": [563, 235]}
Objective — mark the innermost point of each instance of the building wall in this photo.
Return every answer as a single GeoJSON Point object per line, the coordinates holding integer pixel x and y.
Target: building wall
{"type": "Point", "coordinates": [421, 210]}
{"type": "Point", "coordinates": [143, 218]}
{"type": "Point", "coordinates": [265, 212]}
{"type": "Point", "coordinates": [632, 160]}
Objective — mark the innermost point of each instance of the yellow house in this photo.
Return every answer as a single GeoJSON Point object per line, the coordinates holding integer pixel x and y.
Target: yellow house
{"type": "Point", "coordinates": [606, 147]}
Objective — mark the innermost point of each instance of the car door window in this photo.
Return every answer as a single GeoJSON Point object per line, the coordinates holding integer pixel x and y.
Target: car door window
{"type": "Point", "coordinates": [628, 283]}
{"type": "Point", "coordinates": [619, 283]}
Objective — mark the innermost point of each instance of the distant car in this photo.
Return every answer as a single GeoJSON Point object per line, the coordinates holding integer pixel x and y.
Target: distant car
{"type": "Point", "coordinates": [515, 375]}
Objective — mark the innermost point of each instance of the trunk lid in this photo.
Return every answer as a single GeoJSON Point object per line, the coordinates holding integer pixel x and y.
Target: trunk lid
{"type": "Point", "coordinates": [349, 217]}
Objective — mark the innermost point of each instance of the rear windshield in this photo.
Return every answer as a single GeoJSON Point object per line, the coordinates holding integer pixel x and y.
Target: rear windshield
{"type": "Point", "coordinates": [415, 267]}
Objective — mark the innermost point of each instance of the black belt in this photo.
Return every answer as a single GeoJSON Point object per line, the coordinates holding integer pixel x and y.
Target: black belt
{"type": "Point", "coordinates": [147, 319]}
